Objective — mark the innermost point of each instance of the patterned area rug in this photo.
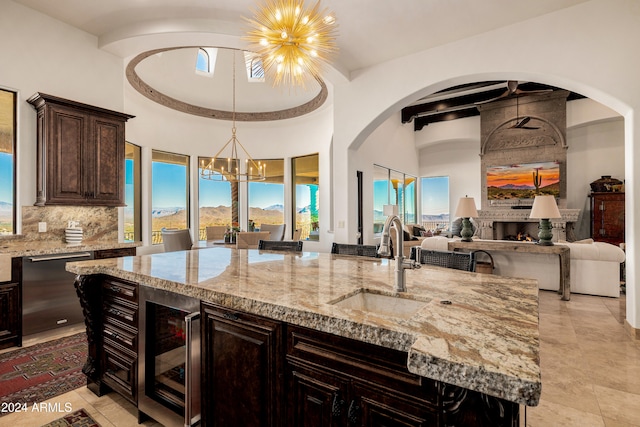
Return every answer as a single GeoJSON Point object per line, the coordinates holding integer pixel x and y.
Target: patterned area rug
{"type": "Point", "coordinates": [42, 371]}
{"type": "Point", "coordinates": [77, 419]}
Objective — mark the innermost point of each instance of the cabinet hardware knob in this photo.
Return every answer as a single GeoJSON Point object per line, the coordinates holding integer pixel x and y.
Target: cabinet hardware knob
{"type": "Point", "coordinates": [336, 405]}
{"type": "Point", "coordinates": [230, 316]}
{"type": "Point", "coordinates": [353, 412]}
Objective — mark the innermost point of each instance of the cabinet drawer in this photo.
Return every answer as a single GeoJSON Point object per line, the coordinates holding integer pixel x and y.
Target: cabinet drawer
{"type": "Point", "coordinates": [120, 371]}
{"type": "Point", "coordinates": [121, 312]}
{"type": "Point", "coordinates": [118, 289]}
{"type": "Point", "coordinates": [115, 331]}
{"type": "Point", "coordinates": [386, 367]}
{"type": "Point", "coordinates": [114, 253]}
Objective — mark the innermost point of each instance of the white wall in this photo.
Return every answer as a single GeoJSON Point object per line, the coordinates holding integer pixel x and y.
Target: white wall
{"type": "Point", "coordinates": [391, 145]}
{"type": "Point", "coordinates": [41, 54]}
{"type": "Point", "coordinates": [595, 137]}
{"type": "Point", "coordinates": [562, 49]}
{"type": "Point", "coordinates": [161, 128]}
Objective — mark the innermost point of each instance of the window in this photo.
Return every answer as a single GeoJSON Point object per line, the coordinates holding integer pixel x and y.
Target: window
{"type": "Point", "coordinates": [169, 193]}
{"type": "Point", "coordinates": [253, 62]}
{"type": "Point", "coordinates": [206, 60]}
{"type": "Point", "coordinates": [266, 198]}
{"type": "Point", "coordinates": [218, 198]}
{"type": "Point", "coordinates": [391, 187]}
{"type": "Point", "coordinates": [7, 161]}
{"type": "Point", "coordinates": [435, 202]}
{"type": "Point", "coordinates": [132, 217]}
{"type": "Point", "coordinates": [306, 188]}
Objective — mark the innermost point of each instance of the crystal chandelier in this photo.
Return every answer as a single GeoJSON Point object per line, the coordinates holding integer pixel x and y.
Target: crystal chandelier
{"type": "Point", "coordinates": [294, 42]}
{"type": "Point", "coordinates": [224, 165]}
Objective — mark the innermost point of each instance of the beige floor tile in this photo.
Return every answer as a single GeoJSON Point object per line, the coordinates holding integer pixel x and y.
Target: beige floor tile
{"type": "Point", "coordinates": [569, 387]}
{"type": "Point", "coordinates": [549, 414]}
{"type": "Point", "coordinates": [619, 405]}
{"type": "Point", "coordinates": [613, 423]}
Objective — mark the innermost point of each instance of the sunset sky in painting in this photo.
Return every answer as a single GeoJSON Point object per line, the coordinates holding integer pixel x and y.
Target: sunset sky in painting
{"type": "Point", "coordinates": [521, 174]}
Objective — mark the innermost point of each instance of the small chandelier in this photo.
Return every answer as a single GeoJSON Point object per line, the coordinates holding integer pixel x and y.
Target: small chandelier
{"type": "Point", "coordinates": [293, 41]}
{"type": "Point", "coordinates": [224, 165]}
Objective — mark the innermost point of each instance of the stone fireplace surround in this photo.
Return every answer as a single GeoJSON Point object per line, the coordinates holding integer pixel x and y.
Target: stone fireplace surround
{"type": "Point", "coordinates": [501, 144]}
{"type": "Point", "coordinates": [496, 224]}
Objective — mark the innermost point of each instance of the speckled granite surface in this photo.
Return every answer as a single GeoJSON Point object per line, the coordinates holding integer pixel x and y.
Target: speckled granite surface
{"type": "Point", "coordinates": [19, 247]}
{"type": "Point", "coordinates": [485, 340]}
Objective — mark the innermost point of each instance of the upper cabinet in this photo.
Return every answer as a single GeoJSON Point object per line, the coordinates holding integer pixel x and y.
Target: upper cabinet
{"type": "Point", "coordinates": [80, 153]}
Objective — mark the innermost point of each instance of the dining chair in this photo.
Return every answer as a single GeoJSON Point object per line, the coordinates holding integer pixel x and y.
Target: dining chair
{"type": "Point", "coordinates": [283, 245]}
{"type": "Point", "coordinates": [457, 260]}
{"type": "Point", "coordinates": [250, 239]}
{"type": "Point", "coordinates": [215, 232]}
{"type": "Point", "coordinates": [351, 249]}
{"type": "Point", "coordinates": [277, 230]}
{"type": "Point", "coordinates": [176, 240]}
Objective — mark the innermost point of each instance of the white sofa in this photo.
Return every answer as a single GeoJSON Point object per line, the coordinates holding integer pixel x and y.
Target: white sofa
{"type": "Point", "coordinates": [595, 266]}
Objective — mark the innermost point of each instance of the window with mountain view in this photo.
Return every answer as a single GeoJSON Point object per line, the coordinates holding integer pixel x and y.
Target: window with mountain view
{"type": "Point", "coordinates": [435, 202]}
{"type": "Point", "coordinates": [391, 187]}
{"type": "Point", "coordinates": [7, 161]}
{"type": "Point", "coordinates": [306, 192]}
{"type": "Point", "coordinates": [169, 193]}
{"type": "Point", "coordinates": [218, 198]}
{"type": "Point", "coordinates": [132, 211]}
{"type": "Point", "coordinates": [266, 198]}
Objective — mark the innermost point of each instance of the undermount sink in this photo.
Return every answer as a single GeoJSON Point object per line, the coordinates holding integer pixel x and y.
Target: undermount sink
{"type": "Point", "coordinates": [392, 304]}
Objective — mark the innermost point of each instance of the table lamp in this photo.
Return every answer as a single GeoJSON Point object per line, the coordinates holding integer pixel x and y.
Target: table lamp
{"type": "Point", "coordinates": [544, 208]}
{"type": "Point", "coordinates": [466, 209]}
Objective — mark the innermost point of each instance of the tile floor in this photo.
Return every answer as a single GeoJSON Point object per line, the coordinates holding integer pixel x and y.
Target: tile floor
{"type": "Point", "coordinates": [590, 372]}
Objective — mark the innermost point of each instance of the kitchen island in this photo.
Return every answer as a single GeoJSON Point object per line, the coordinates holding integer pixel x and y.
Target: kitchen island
{"type": "Point", "coordinates": [470, 352]}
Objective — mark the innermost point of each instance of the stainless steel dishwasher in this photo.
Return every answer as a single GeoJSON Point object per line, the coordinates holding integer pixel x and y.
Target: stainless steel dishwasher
{"type": "Point", "coordinates": [49, 298]}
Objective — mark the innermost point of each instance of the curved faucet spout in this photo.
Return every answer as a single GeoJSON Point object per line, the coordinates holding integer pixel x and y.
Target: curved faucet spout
{"type": "Point", "coordinates": [385, 250]}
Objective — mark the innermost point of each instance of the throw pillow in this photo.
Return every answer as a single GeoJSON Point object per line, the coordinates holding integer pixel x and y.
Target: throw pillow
{"type": "Point", "coordinates": [406, 236]}
{"type": "Point", "coordinates": [417, 230]}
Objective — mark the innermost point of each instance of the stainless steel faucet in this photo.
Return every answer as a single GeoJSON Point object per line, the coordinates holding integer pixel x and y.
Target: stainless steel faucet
{"type": "Point", "coordinates": [384, 250]}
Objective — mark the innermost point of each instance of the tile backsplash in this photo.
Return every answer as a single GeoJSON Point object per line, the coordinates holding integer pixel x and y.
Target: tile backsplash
{"type": "Point", "coordinates": [99, 224]}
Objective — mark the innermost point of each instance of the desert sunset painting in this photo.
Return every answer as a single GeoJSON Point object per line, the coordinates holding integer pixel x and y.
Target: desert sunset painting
{"type": "Point", "coordinates": [523, 181]}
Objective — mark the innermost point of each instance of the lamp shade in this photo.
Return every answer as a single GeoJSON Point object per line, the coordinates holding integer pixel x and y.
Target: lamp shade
{"type": "Point", "coordinates": [390, 210]}
{"type": "Point", "coordinates": [545, 207]}
{"type": "Point", "coordinates": [466, 208]}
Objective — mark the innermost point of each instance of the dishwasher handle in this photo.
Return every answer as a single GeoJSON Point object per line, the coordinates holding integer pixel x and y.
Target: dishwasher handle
{"type": "Point", "coordinates": [60, 257]}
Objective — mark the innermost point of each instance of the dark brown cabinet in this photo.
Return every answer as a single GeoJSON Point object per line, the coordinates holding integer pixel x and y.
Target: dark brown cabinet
{"type": "Point", "coordinates": [11, 307]}
{"type": "Point", "coordinates": [607, 217]}
{"type": "Point", "coordinates": [335, 381]}
{"type": "Point", "coordinates": [80, 153]}
{"type": "Point", "coordinates": [114, 253]}
{"type": "Point", "coordinates": [119, 358]}
{"type": "Point", "coordinates": [242, 369]}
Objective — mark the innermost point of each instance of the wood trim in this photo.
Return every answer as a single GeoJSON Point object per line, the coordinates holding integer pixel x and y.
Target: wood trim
{"type": "Point", "coordinates": [156, 96]}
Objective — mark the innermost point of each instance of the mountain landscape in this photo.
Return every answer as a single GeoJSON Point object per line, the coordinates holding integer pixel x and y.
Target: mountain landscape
{"type": "Point", "coordinates": [521, 191]}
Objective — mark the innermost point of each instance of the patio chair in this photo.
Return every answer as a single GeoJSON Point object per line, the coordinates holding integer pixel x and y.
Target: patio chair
{"type": "Point", "coordinates": [215, 232]}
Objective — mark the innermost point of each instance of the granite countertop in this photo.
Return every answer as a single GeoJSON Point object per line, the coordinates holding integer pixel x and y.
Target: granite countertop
{"type": "Point", "coordinates": [19, 247]}
{"type": "Point", "coordinates": [486, 339]}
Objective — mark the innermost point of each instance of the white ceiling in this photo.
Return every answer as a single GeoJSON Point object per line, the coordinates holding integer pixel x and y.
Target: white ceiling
{"type": "Point", "coordinates": [369, 31]}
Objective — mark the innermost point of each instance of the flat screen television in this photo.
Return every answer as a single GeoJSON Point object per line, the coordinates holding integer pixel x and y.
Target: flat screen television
{"type": "Point", "coordinates": [523, 181]}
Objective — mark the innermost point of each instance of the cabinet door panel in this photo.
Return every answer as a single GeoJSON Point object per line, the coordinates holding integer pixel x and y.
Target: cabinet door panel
{"type": "Point", "coordinates": [10, 318]}
{"type": "Point", "coordinates": [242, 354]}
{"type": "Point", "coordinates": [65, 154]}
{"type": "Point", "coordinates": [316, 398]}
{"type": "Point", "coordinates": [380, 409]}
{"type": "Point", "coordinates": [107, 161]}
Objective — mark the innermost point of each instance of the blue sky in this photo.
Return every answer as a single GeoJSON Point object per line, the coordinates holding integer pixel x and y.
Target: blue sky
{"type": "Point", "coordinates": [169, 183]}
{"type": "Point", "coordinates": [435, 195]}
{"type": "Point", "coordinates": [6, 177]}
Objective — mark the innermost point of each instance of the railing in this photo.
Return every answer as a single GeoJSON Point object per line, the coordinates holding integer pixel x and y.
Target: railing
{"type": "Point", "coordinates": [435, 225]}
